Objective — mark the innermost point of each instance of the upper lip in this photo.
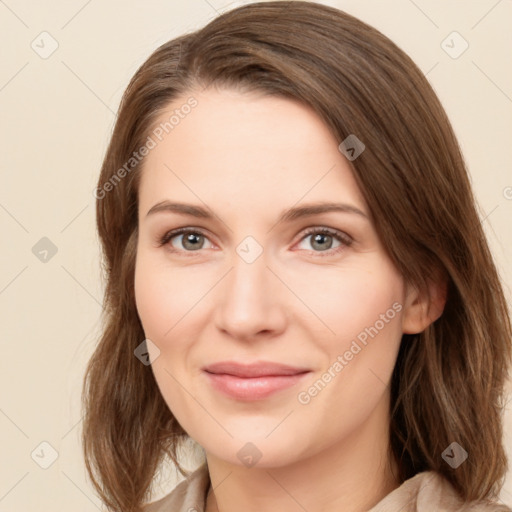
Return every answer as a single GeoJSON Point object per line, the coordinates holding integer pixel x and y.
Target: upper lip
{"type": "Point", "coordinates": [258, 369]}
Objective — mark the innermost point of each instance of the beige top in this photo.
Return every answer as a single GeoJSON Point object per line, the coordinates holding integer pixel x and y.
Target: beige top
{"type": "Point", "coordinates": [425, 492]}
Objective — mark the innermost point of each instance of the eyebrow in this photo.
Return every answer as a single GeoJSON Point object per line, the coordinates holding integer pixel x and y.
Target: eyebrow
{"type": "Point", "coordinates": [289, 215]}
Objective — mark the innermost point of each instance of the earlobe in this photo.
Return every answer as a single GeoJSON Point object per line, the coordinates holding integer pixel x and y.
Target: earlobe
{"type": "Point", "coordinates": [422, 308]}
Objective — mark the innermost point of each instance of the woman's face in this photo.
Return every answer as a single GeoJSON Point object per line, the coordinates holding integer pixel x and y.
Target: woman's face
{"type": "Point", "coordinates": [275, 342]}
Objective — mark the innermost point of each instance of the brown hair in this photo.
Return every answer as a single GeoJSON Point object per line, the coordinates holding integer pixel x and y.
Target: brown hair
{"type": "Point", "coordinates": [448, 383]}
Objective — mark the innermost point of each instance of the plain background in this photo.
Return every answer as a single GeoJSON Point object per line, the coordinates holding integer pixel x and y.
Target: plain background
{"type": "Point", "coordinates": [57, 114]}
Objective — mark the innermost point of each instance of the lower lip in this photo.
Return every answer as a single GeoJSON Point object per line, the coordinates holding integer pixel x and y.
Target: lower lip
{"type": "Point", "coordinates": [252, 388]}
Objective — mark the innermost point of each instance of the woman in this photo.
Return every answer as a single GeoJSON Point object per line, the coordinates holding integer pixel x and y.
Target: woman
{"type": "Point", "coordinates": [297, 279]}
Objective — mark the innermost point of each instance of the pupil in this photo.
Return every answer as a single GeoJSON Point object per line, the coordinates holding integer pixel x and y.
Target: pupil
{"type": "Point", "coordinates": [318, 238]}
{"type": "Point", "coordinates": [192, 239]}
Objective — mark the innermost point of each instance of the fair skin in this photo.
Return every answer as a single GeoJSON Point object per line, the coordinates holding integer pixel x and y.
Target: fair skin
{"type": "Point", "coordinates": [247, 158]}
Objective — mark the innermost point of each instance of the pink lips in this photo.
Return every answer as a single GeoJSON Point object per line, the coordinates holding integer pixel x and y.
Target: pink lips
{"type": "Point", "coordinates": [252, 381]}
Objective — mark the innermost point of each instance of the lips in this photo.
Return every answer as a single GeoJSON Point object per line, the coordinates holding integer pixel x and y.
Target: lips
{"type": "Point", "coordinates": [263, 369]}
{"type": "Point", "coordinates": [254, 381]}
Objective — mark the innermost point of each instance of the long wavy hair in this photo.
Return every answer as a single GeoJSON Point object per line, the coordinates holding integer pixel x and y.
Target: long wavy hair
{"type": "Point", "coordinates": [449, 381]}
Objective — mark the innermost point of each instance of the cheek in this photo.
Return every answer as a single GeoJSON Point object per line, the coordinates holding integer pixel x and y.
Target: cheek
{"type": "Point", "coordinates": [151, 298]}
{"type": "Point", "coordinates": [348, 301]}
{"type": "Point", "coordinates": [363, 308]}
{"type": "Point", "coordinates": [164, 297]}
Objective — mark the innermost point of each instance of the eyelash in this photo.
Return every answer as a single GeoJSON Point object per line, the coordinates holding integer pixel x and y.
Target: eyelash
{"type": "Point", "coordinates": [345, 240]}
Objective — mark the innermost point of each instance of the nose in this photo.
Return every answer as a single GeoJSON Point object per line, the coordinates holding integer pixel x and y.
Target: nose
{"type": "Point", "coordinates": [250, 301]}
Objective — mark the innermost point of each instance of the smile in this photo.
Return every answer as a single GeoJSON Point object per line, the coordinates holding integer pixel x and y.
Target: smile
{"type": "Point", "coordinates": [255, 381]}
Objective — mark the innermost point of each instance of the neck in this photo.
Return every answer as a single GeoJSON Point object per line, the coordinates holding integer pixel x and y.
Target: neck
{"type": "Point", "coordinates": [353, 476]}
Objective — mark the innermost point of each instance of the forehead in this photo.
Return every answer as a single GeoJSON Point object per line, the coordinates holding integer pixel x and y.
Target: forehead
{"type": "Point", "coordinates": [251, 150]}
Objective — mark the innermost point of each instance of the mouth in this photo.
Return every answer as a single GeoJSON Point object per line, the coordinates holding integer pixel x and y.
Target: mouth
{"type": "Point", "coordinates": [254, 381]}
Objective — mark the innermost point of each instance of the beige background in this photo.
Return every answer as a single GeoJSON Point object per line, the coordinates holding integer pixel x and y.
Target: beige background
{"type": "Point", "coordinates": [56, 117]}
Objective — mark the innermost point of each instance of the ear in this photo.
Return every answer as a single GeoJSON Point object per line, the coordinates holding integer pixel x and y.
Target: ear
{"type": "Point", "coordinates": [424, 307]}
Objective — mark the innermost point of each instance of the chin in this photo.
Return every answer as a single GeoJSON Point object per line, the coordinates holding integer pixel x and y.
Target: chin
{"type": "Point", "coordinates": [252, 446]}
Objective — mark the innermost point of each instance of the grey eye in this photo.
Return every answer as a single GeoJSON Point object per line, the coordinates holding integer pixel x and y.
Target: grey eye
{"type": "Point", "coordinates": [191, 241]}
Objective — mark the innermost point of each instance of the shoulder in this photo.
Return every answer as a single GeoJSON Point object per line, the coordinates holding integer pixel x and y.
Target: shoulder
{"type": "Point", "coordinates": [429, 491]}
{"type": "Point", "coordinates": [434, 488]}
{"type": "Point", "coordinates": [188, 495]}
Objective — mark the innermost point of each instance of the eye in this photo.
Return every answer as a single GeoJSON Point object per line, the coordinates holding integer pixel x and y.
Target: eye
{"type": "Point", "coordinates": [190, 240]}
{"type": "Point", "coordinates": [322, 239]}
{"type": "Point", "coordinates": [186, 238]}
